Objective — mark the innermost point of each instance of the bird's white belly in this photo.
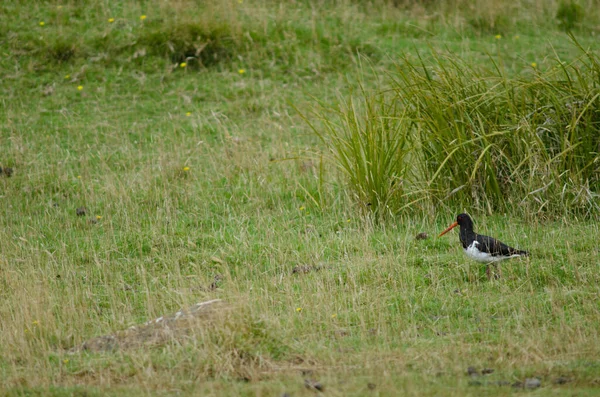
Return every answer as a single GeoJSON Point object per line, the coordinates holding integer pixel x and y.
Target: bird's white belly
{"type": "Point", "coordinates": [474, 253]}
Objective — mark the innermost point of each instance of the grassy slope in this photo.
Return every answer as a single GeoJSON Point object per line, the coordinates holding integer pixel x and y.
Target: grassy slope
{"type": "Point", "coordinates": [385, 309]}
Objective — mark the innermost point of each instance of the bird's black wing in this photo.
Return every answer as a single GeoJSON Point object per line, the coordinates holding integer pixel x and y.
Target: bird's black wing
{"type": "Point", "coordinates": [496, 247]}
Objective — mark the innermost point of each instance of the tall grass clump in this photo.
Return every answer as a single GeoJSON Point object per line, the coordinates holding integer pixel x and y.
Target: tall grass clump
{"type": "Point", "coordinates": [496, 143]}
{"type": "Point", "coordinates": [369, 139]}
{"type": "Point", "coordinates": [477, 138]}
{"type": "Point", "coordinates": [463, 152]}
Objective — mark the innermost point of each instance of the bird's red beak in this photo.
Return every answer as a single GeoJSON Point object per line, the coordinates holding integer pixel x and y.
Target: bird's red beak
{"type": "Point", "coordinates": [452, 226]}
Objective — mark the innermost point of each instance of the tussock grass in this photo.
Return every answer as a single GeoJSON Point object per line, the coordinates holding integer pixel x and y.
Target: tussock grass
{"type": "Point", "coordinates": [369, 141]}
{"type": "Point", "coordinates": [478, 138]}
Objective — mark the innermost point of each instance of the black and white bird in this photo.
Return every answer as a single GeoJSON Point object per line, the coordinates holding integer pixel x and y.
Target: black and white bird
{"type": "Point", "coordinates": [482, 248]}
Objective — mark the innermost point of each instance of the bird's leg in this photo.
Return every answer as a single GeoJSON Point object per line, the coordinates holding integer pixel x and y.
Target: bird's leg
{"type": "Point", "coordinates": [488, 271]}
{"type": "Point", "coordinates": [498, 273]}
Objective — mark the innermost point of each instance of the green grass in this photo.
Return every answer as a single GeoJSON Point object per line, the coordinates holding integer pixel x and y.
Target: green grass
{"type": "Point", "coordinates": [260, 197]}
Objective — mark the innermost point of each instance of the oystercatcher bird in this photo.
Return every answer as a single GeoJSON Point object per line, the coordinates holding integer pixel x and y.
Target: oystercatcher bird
{"type": "Point", "coordinates": [482, 248]}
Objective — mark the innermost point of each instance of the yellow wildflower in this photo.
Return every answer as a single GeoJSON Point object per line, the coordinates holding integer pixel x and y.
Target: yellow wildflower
{"type": "Point", "coordinates": [188, 114]}
{"type": "Point", "coordinates": [183, 64]}
{"type": "Point", "coordinates": [80, 87]}
{"type": "Point", "coordinates": [186, 168]}
{"type": "Point", "coordinates": [498, 36]}
{"type": "Point", "coordinates": [142, 17]}
{"type": "Point", "coordinates": [98, 217]}
{"type": "Point", "coordinates": [68, 76]}
{"type": "Point", "coordinates": [533, 65]}
{"type": "Point", "coordinates": [111, 20]}
{"type": "Point", "coordinates": [333, 315]}
{"type": "Point", "coordinates": [36, 322]}
{"type": "Point", "coordinates": [241, 71]}
{"type": "Point", "coordinates": [348, 220]}
{"type": "Point", "coordinates": [66, 361]}
{"type": "Point", "coordinates": [78, 176]}
{"type": "Point", "coordinates": [42, 23]}
{"type": "Point", "coordinates": [298, 309]}
{"type": "Point", "coordinates": [302, 208]}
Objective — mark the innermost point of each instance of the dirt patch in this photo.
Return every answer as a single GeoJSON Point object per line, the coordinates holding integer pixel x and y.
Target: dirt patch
{"type": "Point", "coordinates": [154, 332]}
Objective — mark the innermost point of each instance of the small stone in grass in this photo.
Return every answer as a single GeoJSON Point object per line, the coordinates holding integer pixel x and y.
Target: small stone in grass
{"type": "Point", "coordinates": [532, 383]}
{"type": "Point", "coordinates": [561, 380]}
{"type": "Point", "coordinates": [421, 236]}
{"type": "Point", "coordinates": [371, 386]}
{"type": "Point", "coordinates": [303, 269]}
{"type": "Point", "coordinates": [487, 371]}
{"type": "Point", "coordinates": [81, 211]}
{"type": "Point", "coordinates": [471, 371]}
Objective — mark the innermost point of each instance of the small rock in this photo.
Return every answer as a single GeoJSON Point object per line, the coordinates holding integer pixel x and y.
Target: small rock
{"type": "Point", "coordinates": [313, 385]}
{"type": "Point", "coordinates": [303, 269]}
{"type": "Point", "coordinates": [471, 371]}
{"type": "Point", "coordinates": [81, 211]}
{"type": "Point", "coordinates": [517, 384]}
{"type": "Point", "coordinates": [487, 371]}
{"type": "Point", "coordinates": [532, 383]}
{"type": "Point", "coordinates": [422, 236]}
{"type": "Point", "coordinates": [371, 386]}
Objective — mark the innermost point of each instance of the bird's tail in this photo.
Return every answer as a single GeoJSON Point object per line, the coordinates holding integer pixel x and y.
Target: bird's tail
{"type": "Point", "coordinates": [522, 253]}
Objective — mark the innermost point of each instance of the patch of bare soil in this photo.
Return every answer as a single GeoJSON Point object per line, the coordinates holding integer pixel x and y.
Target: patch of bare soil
{"type": "Point", "coordinates": [154, 332]}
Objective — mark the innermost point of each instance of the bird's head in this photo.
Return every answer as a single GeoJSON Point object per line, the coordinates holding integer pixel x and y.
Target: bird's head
{"type": "Point", "coordinates": [462, 220]}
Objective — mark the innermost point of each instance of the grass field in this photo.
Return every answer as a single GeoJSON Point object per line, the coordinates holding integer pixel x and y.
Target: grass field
{"type": "Point", "coordinates": [179, 129]}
